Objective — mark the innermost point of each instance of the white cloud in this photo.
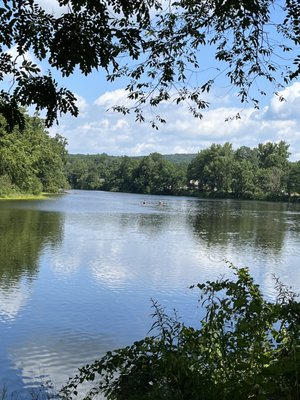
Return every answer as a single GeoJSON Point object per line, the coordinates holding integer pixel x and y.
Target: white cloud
{"type": "Point", "coordinates": [110, 99]}
{"type": "Point", "coordinates": [52, 7]}
{"type": "Point", "coordinates": [27, 56]}
{"type": "Point", "coordinates": [290, 106]}
{"type": "Point", "coordinates": [121, 124]}
{"type": "Point", "coordinates": [82, 105]}
{"type": "Point", "coordinates": [100, 131]}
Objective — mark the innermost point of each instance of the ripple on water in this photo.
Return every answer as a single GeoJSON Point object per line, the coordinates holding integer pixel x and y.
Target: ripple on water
{"type": "Point", "coordinates": [14, 298]}
{"type": "Point", "coordinates": [57, 356]}
{"type": "Point", "coordinates": [105, 255]}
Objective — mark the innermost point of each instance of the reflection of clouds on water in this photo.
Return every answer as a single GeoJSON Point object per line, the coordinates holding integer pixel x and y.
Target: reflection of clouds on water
{"type": "Point", "coordinates": [109, 274]}
{"type": "Point", "coordinates": [118, 250]}
{"type": "Point", "coordinates": [93, 287]}
{"type": "Point", "coordinates": [268, 282]}
{"type": "Point", "coordinates": [57, 356]}
{"type": "Point", "coordinates": [64, 266]}
{"type": "Point", "coordinates": [13, 299]}
{"type": "Point", "coordinates": [185, 243]}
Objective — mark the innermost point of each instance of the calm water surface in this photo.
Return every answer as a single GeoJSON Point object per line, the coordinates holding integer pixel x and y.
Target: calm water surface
{"type": "Point", "coordinates": [77, 272]}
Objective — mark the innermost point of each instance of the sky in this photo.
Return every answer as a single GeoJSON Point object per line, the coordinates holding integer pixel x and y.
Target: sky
{"type": "Point", "coordinates": [97, 130]}
{"type": "Point", "coordinates": [100, 130]}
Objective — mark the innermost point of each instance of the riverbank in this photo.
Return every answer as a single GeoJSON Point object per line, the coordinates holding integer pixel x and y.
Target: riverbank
{"type": "Point", "coordinates": [27, 196]}
{"type": "Point", "coordinates": [284, 197]}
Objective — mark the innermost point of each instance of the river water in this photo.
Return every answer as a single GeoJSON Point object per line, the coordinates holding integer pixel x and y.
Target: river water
{"type": "Point", "coordinates": [77, 271]}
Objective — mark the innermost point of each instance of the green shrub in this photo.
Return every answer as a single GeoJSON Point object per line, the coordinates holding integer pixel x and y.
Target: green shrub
{"type": "Point", "coordinates": [6, 186]}
{"type": "Point", "coordinates": [244, 348]}
{"type": "Point", "coordinates": [32, 185]}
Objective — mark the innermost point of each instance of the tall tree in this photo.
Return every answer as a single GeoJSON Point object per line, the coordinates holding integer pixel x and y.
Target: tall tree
{"type": "Point", "coordinates": [32, 160]}
{"type": "Point", "coordinates": [274, 166]}
{"type": "Point", "coordinates": [273, 155]}
{"type": "Point", "coordinates": [76, 171]}
{"type": "Point", "coordinates": [212, 168]}
{"type": "Point", "coordinates": [243, 175]}
{"type": "Point", "coordinates": [166, 41]}
{"type": "Point", "coordinates": [125, 174]}
{"type": "Point", "coordinates": [248, 154]}
{"type": "Point", "coordinates": [293, 181]}
{"type": "Point", "coordinates": [156, 175]}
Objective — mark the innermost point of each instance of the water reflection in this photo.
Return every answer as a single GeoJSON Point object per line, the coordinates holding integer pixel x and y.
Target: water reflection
{"type": "Point", "coordinates": [263, 236]}
{"type": "Point", "coordinates": [77, 273]}
{"type": "Point", "coordinates": [13, 299]}
{"type": "Point", "coordinates": [258, 225]}
{"type": "Point", "coordinates": [45, 356]}
{"type": "Point", "coordinates": [150, 224]}
{"type": "Point", "coordinates": [24, 234]}
{"type": "Point", "coordinates": [126, 249]}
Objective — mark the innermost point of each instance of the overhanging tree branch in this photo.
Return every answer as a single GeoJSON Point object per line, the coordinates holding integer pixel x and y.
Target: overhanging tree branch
{"type": "Point", "coordinates": [161, 44]}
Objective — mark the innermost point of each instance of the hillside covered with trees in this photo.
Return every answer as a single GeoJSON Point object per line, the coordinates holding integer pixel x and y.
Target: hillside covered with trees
{"type": "Point", "coordinates": [261, 173]}
{"type": "Point", "coordinates": [31, 161]}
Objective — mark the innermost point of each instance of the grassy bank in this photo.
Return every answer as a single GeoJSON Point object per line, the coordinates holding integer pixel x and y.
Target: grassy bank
{"type": "Point", "coordinates": [28, 196]}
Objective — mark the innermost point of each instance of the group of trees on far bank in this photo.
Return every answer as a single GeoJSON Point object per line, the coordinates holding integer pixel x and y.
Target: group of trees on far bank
{"type": "Point", "coordinates": [30, 160]}
{"type": "Point", "coordinates": [263, 172]}
{"type": "Point", "coordinates": [33, 162]}
{"type": "Point", "coordinates": [152, 174]}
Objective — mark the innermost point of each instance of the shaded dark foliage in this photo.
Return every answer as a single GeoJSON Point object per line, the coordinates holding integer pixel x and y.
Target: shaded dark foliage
{"type": "Point", "coordinates": [245, 347]}
{"type": "Point", "coordinates": [157, 46]}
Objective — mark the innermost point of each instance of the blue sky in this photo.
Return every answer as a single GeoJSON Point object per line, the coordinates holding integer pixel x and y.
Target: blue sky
{"type": "Point", "coordinates": [97, 130]}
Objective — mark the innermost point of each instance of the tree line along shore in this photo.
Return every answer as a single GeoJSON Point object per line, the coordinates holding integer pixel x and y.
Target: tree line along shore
{"type": "Point", "coordinates": [33, 162]}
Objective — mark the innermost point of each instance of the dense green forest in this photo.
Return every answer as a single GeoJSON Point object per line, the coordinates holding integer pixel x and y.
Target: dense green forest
{"type": "Point", "coordinates": [150, 174]}
{"type": "Point", "coordinates": [31, 161]}
{"type": "Point", "coordinates": [263, 172]}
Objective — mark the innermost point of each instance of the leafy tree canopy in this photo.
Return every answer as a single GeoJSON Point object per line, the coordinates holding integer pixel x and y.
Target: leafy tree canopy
{"type": "Point", "coordinates": [31, 161]}
{"type": "Point", "coordinates": [263, 172]}
{"type": "Point", "coordinates": [157, 45]}
{"type": "Point", "coordinates": [260, 173]}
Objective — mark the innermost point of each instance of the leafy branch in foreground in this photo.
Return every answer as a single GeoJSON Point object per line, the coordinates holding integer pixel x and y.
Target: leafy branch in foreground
{"type": "Point", "coordinates": [159, 47]}
{"type": "Point", "coordinates": [244, 348]}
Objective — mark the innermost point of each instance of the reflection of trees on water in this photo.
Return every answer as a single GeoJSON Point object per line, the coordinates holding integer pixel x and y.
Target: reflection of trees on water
{"type": "Point", "coordinates": [259, 225]}
{"type": "Point", "coordinates": [148, 224]}
{"type": "Point", "coordinates": [23, 235]}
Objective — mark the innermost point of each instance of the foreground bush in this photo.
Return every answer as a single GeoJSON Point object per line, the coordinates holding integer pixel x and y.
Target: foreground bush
{"type": "Point", "coordinates": [245, 348]}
